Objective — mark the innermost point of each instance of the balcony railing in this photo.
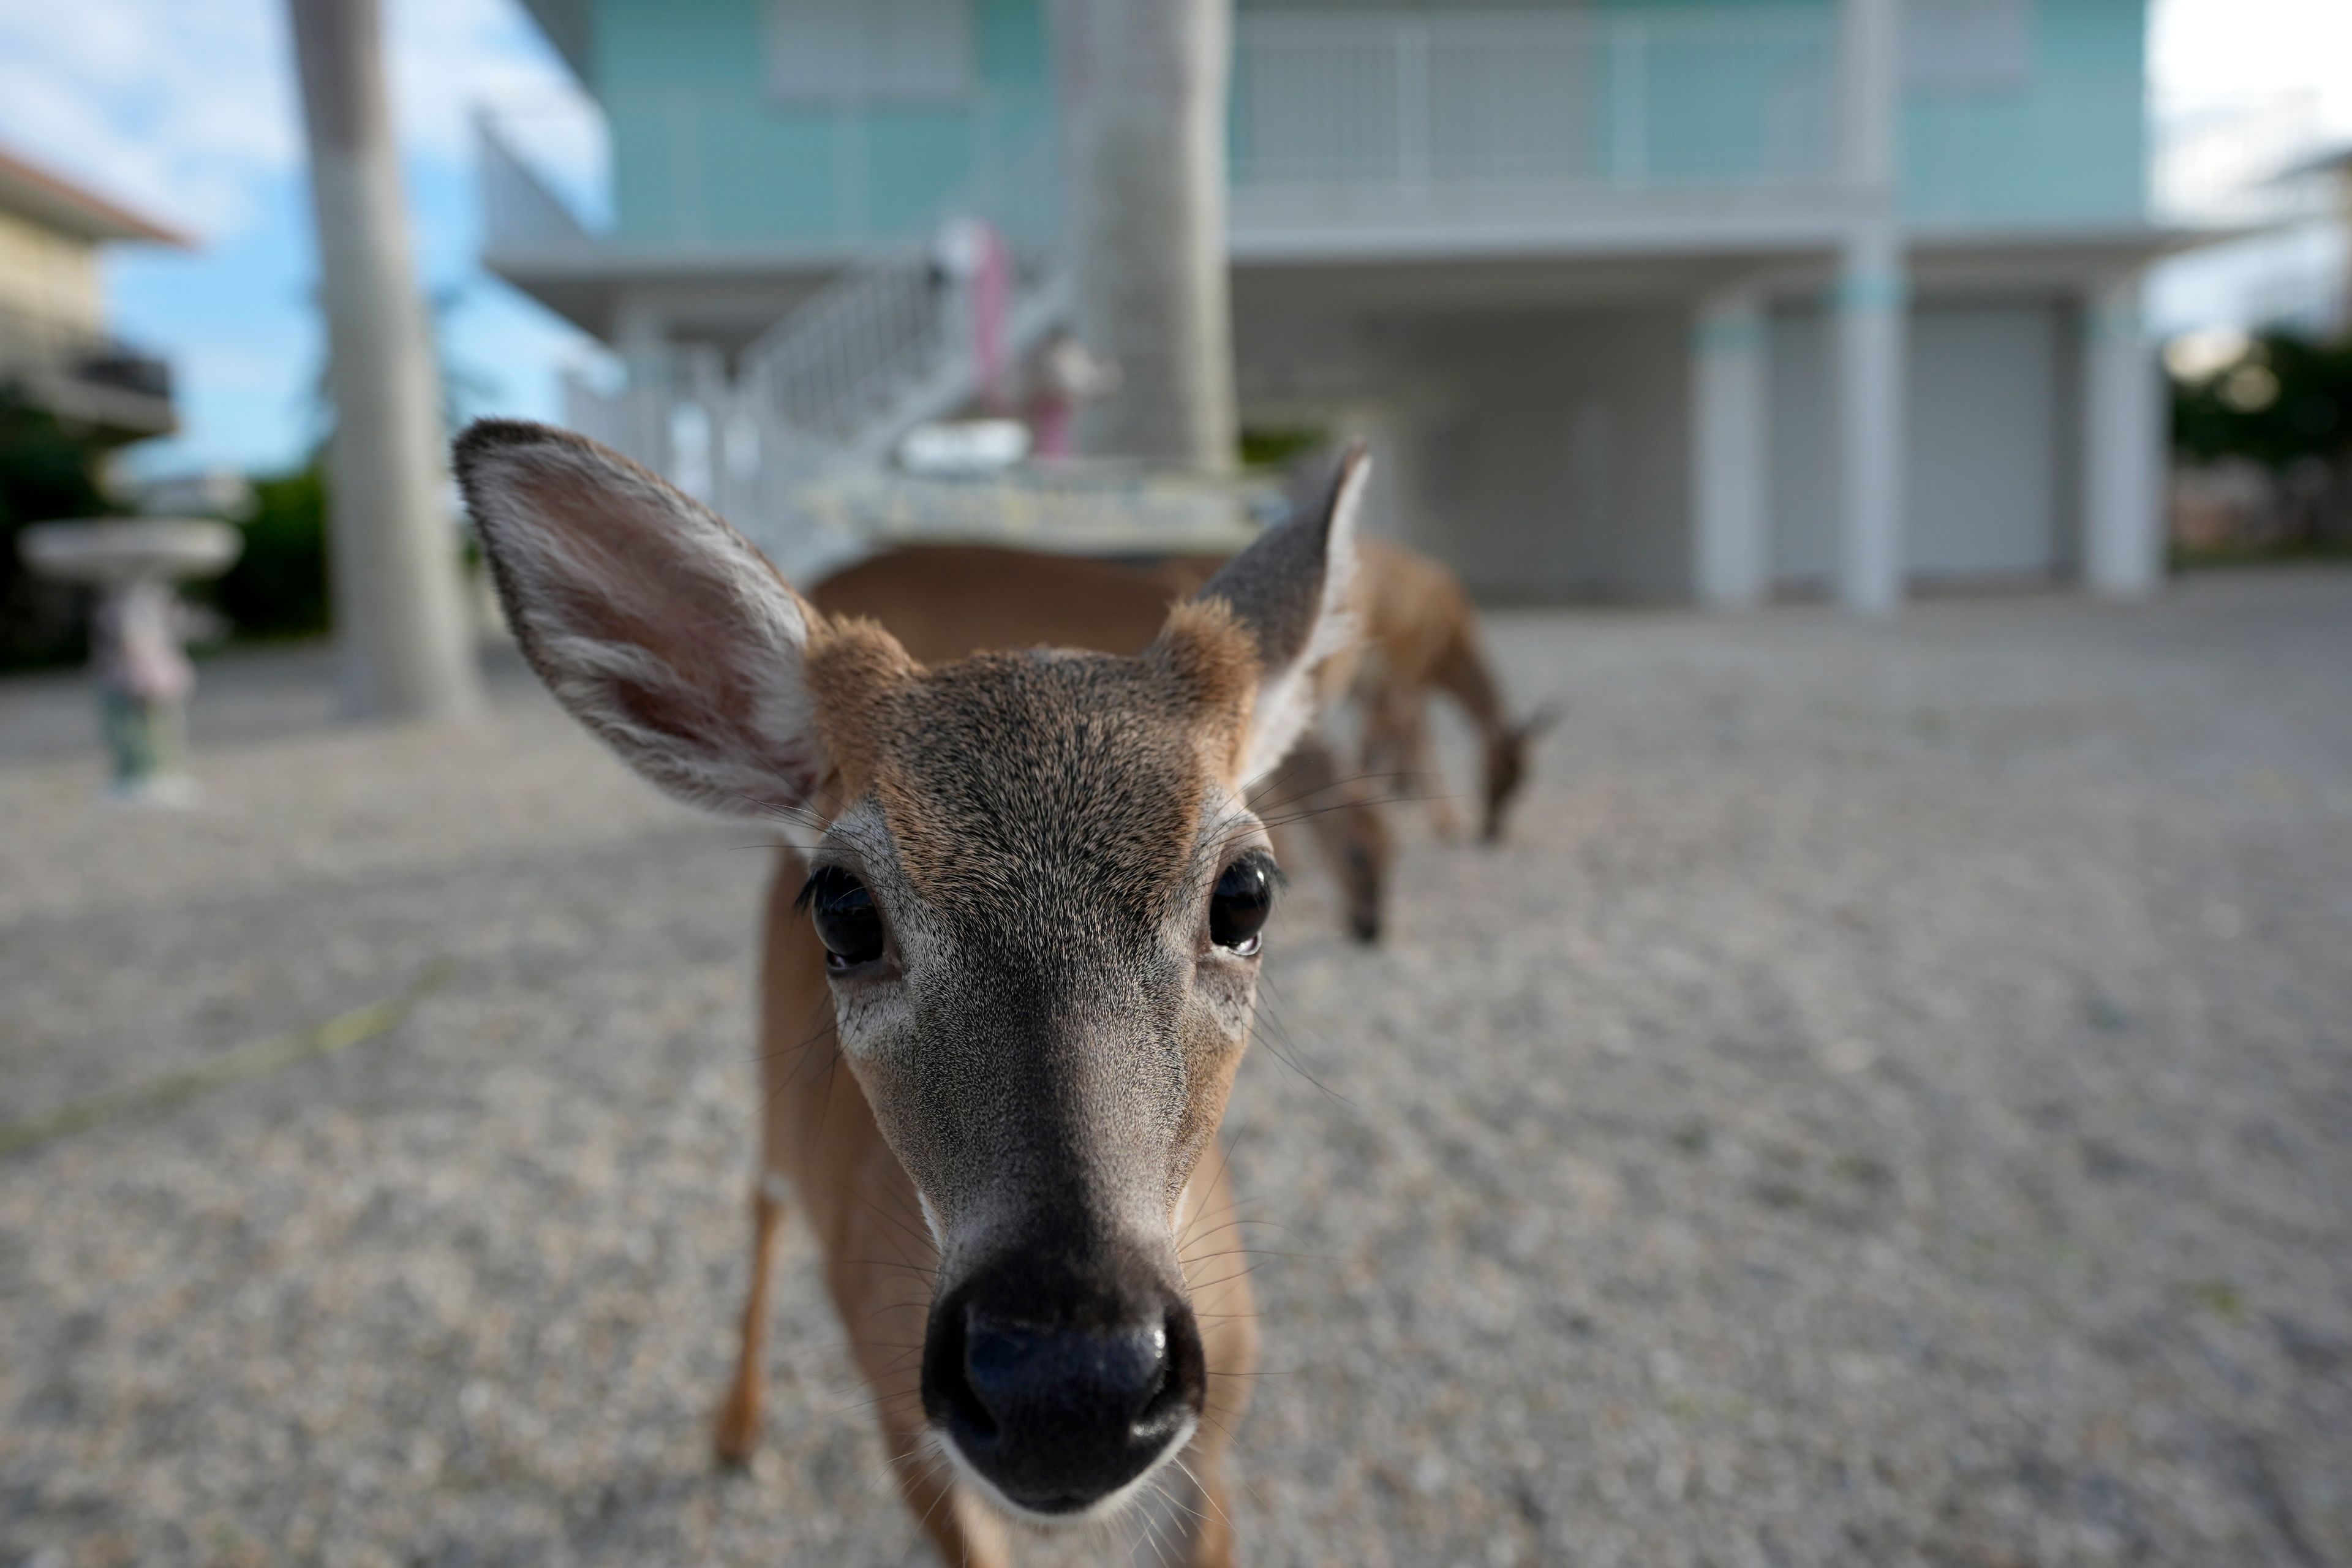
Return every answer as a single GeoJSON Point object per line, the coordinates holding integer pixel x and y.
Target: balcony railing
{"type": "Point", "coordinates": [1357, 118]}
{"type": "Point", "coordinates": [84, 376]}
{"type": "Point", "coordinates": [688, 173]}
{"type": "Point", "coordinates": [2231, 162]}
{"type": "Point", "coordinates": [1403, 102]}
{"type": "Point", "coordinates": [521, 209]}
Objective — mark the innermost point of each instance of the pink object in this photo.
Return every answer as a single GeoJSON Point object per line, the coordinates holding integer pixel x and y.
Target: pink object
{"type": "Point", "coordinates": [1049, 428]}
{"type": "Point", "coordinates": [1064, 376]}
{"type": "Point", "coordinates": [992, 299]}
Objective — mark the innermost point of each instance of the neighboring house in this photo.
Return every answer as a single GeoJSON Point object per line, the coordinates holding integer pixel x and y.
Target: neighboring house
{"type": "Point", "coordinates": [55, 352]}
{"type": "Point", "coordinates": [1635, 300]}
{"type": "Point", "coordinates": [2334, 316]}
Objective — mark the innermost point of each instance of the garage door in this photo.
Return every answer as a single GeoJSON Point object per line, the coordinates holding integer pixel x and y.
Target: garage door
{"type": "Point", "coordinates": [1985, 417]}
{"type": "Point", "coordinates": [1987, 431]}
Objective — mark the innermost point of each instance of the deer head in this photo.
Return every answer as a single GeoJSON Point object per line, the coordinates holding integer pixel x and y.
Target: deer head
{"type": "Point", "coordinates": [1038, 885]}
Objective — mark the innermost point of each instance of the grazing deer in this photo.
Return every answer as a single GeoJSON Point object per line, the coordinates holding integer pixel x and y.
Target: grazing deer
{"type": "Point", "coordinates": [1003, 995]}
{"type": "Point", "coordinates": [946, 601]}
{"type": "Point", "coordinates": [1420, 635]}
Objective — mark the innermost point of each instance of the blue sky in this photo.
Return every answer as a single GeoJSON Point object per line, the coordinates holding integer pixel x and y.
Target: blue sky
{"type": "Point", "coordinates": [186, 109]}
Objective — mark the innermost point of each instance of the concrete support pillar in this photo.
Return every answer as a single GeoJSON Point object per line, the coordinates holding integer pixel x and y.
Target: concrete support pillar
{"type": "Point", "coordinates": [1730, 543]}
{"type": "Point", "coordinates": [402, 624]}
{"type": "Point", "coordinates": [1873, 312]}
{"type": "Point", "coordinates": [2123, 448]}
{"type": "Point", "coordinates": [1870, 50]}
{"type": "Point", "coordinates": [1145, 99]}
{"type": "Point", "coordinates": [1873, 324]}
{"type": "Point", "coordinates": [641, 338]}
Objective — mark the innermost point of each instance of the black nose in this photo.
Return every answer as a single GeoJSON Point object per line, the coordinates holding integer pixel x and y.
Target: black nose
{"type": "Point", "coordinates": [1367, 925]}
{"type": "Point", "coordinates": [1059, 1417]}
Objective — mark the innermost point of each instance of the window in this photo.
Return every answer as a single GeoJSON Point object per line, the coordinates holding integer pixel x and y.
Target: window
{"type": "Point", "coordinates": [837, 51]}
{"type": "Point", "coordinates": [1968, 45]}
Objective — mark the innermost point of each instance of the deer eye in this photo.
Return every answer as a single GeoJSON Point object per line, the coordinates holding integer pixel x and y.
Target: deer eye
{"type": "Point", "coordinates": [1237, 910]}
{"type": "Point", "coordinates": [847, 921]}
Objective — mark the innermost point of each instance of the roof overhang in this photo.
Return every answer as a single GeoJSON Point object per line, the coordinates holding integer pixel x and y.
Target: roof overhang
{"type": "Point", "coordinates": [723, 291]}
{"type": "Point", "coordinates": [2118, 243]}
{"type": "Point", "coordinates": [2334, 161]}
{"type": "Point", "coordinates": [58, 203]}
{"type": "Point", "coordinates": [1276, 226]}
{"type": "Point", "coordinates": [566, 26]}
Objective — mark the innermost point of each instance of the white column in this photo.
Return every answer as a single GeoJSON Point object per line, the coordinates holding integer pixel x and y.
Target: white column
{"type": "Point", "coordinates": [1730, 533]}
{"type": "Point", "coordinates": [1870, 49]}
{"type": "Point", "coordinates": [1873, 312]}
{"type": "Point", "coordinates": [1145, 99]}
{"type": "Point", "coordinates": [402, 624]}
{"type": "Point", "coordinates": [1873, 320]}
{"type": "Point", "coordinates": [2123, 448]}
{"type": "Point", "coordinates": [641, 338]}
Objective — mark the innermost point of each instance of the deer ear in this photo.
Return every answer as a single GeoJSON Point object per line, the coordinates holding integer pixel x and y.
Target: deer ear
{"type": "Point", "coordinates": [657, 625]}
{"type": "Point", "coordinates": [1290, 591]}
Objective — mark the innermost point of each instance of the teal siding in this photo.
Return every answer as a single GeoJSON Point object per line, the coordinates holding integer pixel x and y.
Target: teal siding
{"type": "Point", "coordinates": [2069, 146]}
{"type": "Point", "coordinates": [702, 156]}
{"type": "Point", "coordinates": [1711, 109]}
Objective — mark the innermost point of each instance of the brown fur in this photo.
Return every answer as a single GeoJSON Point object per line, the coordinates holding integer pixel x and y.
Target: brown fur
{"type": "Point", "coordinates": [859, 673]}
{"type": "Point", "coordinates": [1421, 637]}
{"type": "Point", "coordinates": [944, 601]}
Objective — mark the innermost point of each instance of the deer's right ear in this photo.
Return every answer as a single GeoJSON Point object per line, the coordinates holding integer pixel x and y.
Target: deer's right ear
{"type": "Point", "coordinates": [1290, 591]}
{"type": "Point", "coordinates": [656, 624]}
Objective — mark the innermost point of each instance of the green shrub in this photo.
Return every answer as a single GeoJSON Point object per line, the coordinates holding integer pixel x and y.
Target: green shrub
{"type": "Point", "coordinates": [2286, 399]}
{"type": "Point", "coordinates": [1272, 447]}
{"type": "Point", "coordinates": [278, 587]}
{"type": "Point", "coordinates": [46, 472]}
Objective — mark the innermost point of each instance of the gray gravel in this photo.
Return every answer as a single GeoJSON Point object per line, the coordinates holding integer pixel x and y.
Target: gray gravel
{"type": "Point", "coordinates": [1891, 1104]}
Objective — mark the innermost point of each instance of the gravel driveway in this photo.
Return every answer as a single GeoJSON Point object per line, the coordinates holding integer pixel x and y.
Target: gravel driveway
{"type": "Point", "coordinates": [1891, 1103]}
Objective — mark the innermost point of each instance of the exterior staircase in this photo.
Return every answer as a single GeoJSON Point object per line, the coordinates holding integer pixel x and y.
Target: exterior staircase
{"type": "Point", "coordinates": [830, 389]}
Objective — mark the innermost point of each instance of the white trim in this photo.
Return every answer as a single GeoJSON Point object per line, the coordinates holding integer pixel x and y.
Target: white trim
{"type": "Point", "coordinates": [1872, 325]}
{"type": "Point", "coordinates": [1730, 481]}
{"type": "Point", "coordinates": [2123, 448]}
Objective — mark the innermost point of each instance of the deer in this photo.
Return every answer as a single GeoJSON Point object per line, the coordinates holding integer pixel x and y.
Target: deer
{"type": "Point", "coordinates": [1420, 636]}
{"type": "Point", "coordinates": [945, 601]}
{"type": "Point", "coordinates": [1005, 986]}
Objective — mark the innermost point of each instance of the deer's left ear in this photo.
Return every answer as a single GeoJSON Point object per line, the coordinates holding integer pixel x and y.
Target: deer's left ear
{"type": "Point", "coordinates": [1290, 591]}
{"type": "Point", "coordinates": [660, 627]}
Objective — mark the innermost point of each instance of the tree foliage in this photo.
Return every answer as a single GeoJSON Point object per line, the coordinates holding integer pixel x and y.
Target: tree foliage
{"type": "Point", "coordinates": [2284, 400]}
{"type": "Point", "coordinates": [47, 472]}
{"type": "Point", "coordinates": [278, 587]}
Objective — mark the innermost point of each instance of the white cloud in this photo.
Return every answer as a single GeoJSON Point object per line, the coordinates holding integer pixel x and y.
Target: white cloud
{"type": "Point", "coordinates": [175, 108]}
{"type": "Point", "coordinates": [450, 57]}
{"type": "Point", "coordinates": [2205, 51]}
{"type": "Point", "coordinates": [185, 109]}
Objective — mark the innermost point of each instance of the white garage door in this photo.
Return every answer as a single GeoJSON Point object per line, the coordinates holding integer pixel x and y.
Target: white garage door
{"type": "Point", "coordinates": [1987, 434]}
{"type": "Point", "coordinates": [1984, 440]}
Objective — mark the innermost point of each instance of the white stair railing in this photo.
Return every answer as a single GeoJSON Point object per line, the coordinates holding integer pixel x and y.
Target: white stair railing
{"type": "Point", "coordinates": [885, 345]}
{"type": "Point", "coordinates": [830, 368]}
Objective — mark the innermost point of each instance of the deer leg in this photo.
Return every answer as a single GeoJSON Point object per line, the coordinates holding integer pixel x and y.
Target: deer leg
{"type": "Point", "coordinates": [739, 1416]}
{"type": "Point", "coordinates": [1377, 753]}
{"type": "Point", "coordinates": [1411, 729]}
{"type": "Point", "coordinates": [1344, 821]}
